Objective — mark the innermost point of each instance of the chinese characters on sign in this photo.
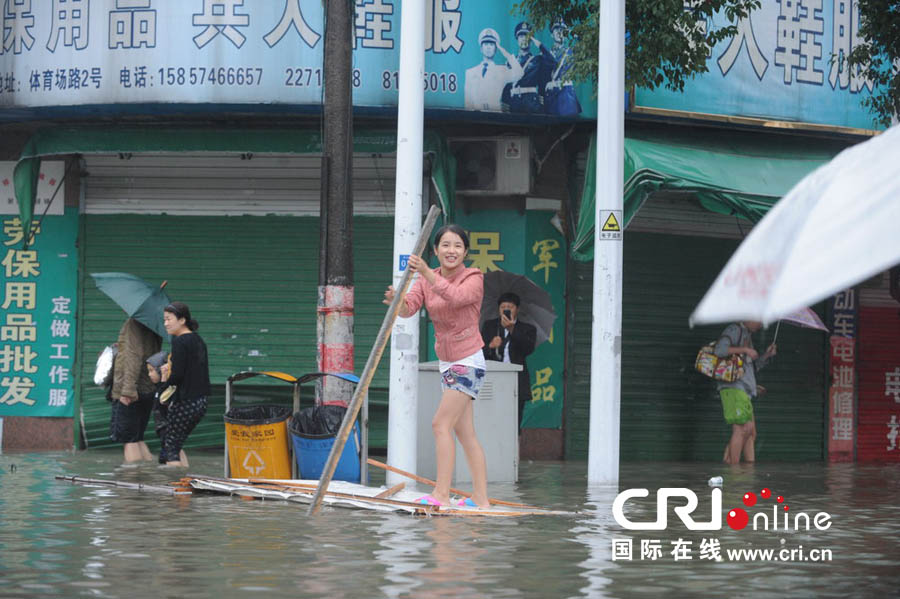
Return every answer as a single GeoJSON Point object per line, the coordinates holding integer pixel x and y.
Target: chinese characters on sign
{"type": "Point", "coordinates": [892, 388]}
{"type": "Point", "coordinates": [878, 380]}
{"type": "Point", "coordinates": [37, 330]}
{"type": "Point", "coordinates": [50, 175]}
{"type": "Point", "coordinates": [70, 52]}
{"type": "Point", "coordinates": [544, 249]}
{"type": "Point", "coordinates": [484, 250]}
{"type": "Point", "coordinates": [841, 414]}
{"type": "Point", "coordinates": [787, 61]}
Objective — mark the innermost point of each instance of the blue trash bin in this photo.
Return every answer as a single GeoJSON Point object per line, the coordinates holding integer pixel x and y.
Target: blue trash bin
{"type": "Point", "coordinates": [313, 448]}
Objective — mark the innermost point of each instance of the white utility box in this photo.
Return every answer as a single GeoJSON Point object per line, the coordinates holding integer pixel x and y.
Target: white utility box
{"type": "Point", "coordinates": [496, 423]}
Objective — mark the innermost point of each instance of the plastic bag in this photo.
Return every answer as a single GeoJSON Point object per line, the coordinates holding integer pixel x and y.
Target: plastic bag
{"type": "Point", "coordinates": [103, 374]}
{"type": "Point", "coordinates": [318, 421]}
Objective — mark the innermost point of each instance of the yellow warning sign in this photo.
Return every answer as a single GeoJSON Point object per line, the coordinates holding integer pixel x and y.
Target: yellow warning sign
{"type": "Point", "coordinates": [611, 230]}
{"type": "Point", "coordinates": [611, 223]}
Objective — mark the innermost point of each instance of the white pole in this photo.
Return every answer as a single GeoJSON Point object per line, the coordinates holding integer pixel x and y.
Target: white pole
{"type": "Point", "coordinates": [404, 375]}
{"type": "Point", "coordinates": [606, 343]}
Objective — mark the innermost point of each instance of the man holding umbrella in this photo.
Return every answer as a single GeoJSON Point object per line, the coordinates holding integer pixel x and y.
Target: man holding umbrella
{"type": "Point", "coordinates": [132, 392]}
{"type": "Point", "coordinates": [507, 339]}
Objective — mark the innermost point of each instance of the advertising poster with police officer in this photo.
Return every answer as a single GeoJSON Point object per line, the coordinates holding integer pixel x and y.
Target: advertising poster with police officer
{"type": "Point", "coordinates": [478, 56]}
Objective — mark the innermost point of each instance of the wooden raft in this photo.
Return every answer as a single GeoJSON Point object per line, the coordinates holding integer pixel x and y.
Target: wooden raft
{"type": "Point", "coordinates": [351, 495]}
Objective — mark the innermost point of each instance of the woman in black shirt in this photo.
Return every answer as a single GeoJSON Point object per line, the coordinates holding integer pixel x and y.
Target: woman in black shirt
{"type": "Point", "coordinates": [189, 375]}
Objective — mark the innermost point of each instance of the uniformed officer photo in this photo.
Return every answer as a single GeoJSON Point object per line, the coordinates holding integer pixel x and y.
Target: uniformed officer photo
{"type": "Point", "coordinates": [527, 93]}
{"type": "Point", "coordinates": [485, 81]}
{"type": "Point", "coordinates": [559, 93]}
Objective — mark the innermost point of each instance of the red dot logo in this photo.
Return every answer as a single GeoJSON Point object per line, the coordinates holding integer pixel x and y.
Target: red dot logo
{"type": "Point", "coordinates": [785, 508]}
{"type": "Point", "coordinates": [780, 499]}
{"type": "Point", "coordinates": [737, 518]}
{"type": "Point", "coordinates": [766, 493]}
{"type": "Point", "coordinates": [749, 499]}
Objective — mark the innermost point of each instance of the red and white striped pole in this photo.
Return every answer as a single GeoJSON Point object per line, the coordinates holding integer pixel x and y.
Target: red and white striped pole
{"type": "Point", "coordinates": [335, 351]}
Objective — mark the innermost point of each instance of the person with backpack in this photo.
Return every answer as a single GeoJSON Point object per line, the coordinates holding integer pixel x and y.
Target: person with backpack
{"type": "Point", "coordinates": [132, 391]}
{"type": "Point", "coordinates": [736, 396]}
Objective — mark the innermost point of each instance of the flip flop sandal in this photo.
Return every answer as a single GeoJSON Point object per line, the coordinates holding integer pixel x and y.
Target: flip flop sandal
{"type": "Point", "coordinates": [429, 500]}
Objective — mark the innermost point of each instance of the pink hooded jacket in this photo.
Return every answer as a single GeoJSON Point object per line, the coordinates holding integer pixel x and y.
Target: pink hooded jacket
{"type": "Point", "coordinates": [454, 305]}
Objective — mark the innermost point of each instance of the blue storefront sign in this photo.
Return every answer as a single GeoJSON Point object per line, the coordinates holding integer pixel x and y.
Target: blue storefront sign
{"type": "Point", "coordinates": [787, 62]}
{"type": "Point", "coordinates": [223, 52]}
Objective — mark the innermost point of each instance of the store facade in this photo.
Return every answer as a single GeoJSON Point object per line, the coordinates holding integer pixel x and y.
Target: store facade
{"type": "Point", "coordinates": [188, 146]}
{"type": "Point", "coordinates": [700, 168]}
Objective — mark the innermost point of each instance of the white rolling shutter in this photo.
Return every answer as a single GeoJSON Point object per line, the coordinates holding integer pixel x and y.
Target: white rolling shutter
{"type": "Point", "coordinates": [231, 184]}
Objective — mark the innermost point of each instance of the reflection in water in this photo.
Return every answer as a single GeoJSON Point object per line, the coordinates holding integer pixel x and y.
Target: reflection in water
{"type": "Point", "coordinates": [59, 539]}
{"type": "Point", "coordinates": [400, 551]}
{"type": "Point", "coordinates": [595, 531]}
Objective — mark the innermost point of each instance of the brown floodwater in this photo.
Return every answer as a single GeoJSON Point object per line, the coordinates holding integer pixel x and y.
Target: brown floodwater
{"type": "Point", "coordinates": [59, 539]}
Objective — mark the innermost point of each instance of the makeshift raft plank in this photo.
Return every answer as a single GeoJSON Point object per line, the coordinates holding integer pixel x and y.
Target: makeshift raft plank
{"type": "Point", "coordinates": [343, 494]}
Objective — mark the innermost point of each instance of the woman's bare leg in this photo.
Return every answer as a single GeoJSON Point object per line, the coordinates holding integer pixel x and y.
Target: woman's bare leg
{"type": "Point", "coordinates": [453, 405]}
{"type": "Point", "coordinates": [465, 432]}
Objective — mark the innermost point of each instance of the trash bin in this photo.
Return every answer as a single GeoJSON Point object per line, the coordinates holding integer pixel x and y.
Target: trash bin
{"type": "Point", "coordinates": [258, 442]}
{"type": "Point", "coordinates": [313, 431]}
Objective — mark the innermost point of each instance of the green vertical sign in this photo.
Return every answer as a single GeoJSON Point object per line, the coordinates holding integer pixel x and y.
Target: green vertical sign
{"type": "Point", "coordinates": [37, 317]}
{"type": "Point", "coordinates": [545, 264]}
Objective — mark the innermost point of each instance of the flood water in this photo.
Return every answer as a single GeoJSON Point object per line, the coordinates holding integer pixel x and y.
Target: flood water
{"type": "Point", "coordinates": [58, 539]}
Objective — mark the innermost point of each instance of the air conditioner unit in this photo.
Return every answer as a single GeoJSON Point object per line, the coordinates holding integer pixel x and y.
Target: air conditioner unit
{"type": "Point", "coordinates": [492, 166]}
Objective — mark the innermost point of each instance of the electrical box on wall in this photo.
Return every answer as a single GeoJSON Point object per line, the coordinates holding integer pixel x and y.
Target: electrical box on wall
{"type": "Point", "coordinates": [492, 166]}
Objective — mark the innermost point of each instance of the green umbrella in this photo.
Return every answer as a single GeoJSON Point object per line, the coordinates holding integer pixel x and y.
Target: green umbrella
{"type": "Point", "coordinates": [140, 300]}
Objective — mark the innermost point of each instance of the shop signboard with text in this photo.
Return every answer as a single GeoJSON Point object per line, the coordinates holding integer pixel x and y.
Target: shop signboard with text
{"type": "Point", "coordinates": [878, 437]}
{"type": "Point", "coordinates": [787, 62]}
{"type": "Point", "coordinates": [38, 305]}
{"type": "Point", "coordinates": [479, 56]}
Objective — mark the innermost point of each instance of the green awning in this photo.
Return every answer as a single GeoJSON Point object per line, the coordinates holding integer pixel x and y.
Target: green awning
{"type": "Point", "coordinates": [727, 174]}
{"type": "Point", "coordinates": [107, 140]}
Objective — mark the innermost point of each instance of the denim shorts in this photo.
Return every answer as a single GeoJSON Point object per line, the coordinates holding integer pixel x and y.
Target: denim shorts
{"type": "Point", "coordinates": [464, 379]}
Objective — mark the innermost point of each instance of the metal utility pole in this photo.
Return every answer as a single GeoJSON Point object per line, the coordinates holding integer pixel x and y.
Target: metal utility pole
{"type": "Point", "coordinates": [335, 302]}
{"type": "Point", "coordinates": [404, 376]}
{"type": "Point", "coordinates": [609, 224]}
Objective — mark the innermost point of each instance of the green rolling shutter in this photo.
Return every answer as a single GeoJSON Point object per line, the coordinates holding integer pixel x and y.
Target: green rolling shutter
{"type": "Point", "coordinates": [251, 282]}
{"type": "Point", "coordinates": [668, 412]}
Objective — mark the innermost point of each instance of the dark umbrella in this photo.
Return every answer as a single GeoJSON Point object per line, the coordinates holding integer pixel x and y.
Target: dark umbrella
{"type": "Point", "coordinates": [140, 300]}
{"type": "Point", "coordinates": [535, 306]}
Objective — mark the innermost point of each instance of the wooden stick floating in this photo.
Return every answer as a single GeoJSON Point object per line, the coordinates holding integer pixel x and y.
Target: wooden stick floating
{"type": "Point", "coordinates": [392, 491]}
{"type": "Point", "coordinates": [426, 481]}
{"type": "Point", "coordinates": [123, 485]}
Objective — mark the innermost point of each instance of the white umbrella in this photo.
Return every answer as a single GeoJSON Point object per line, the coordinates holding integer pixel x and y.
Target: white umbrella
{"type": "Point", "coordinates": [838, 226]}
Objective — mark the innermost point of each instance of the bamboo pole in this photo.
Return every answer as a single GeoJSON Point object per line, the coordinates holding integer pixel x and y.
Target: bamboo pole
{"type": "Point", "coordinates": [426, 481]}
{"type": "Point", "coordinates": [371, 364]}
